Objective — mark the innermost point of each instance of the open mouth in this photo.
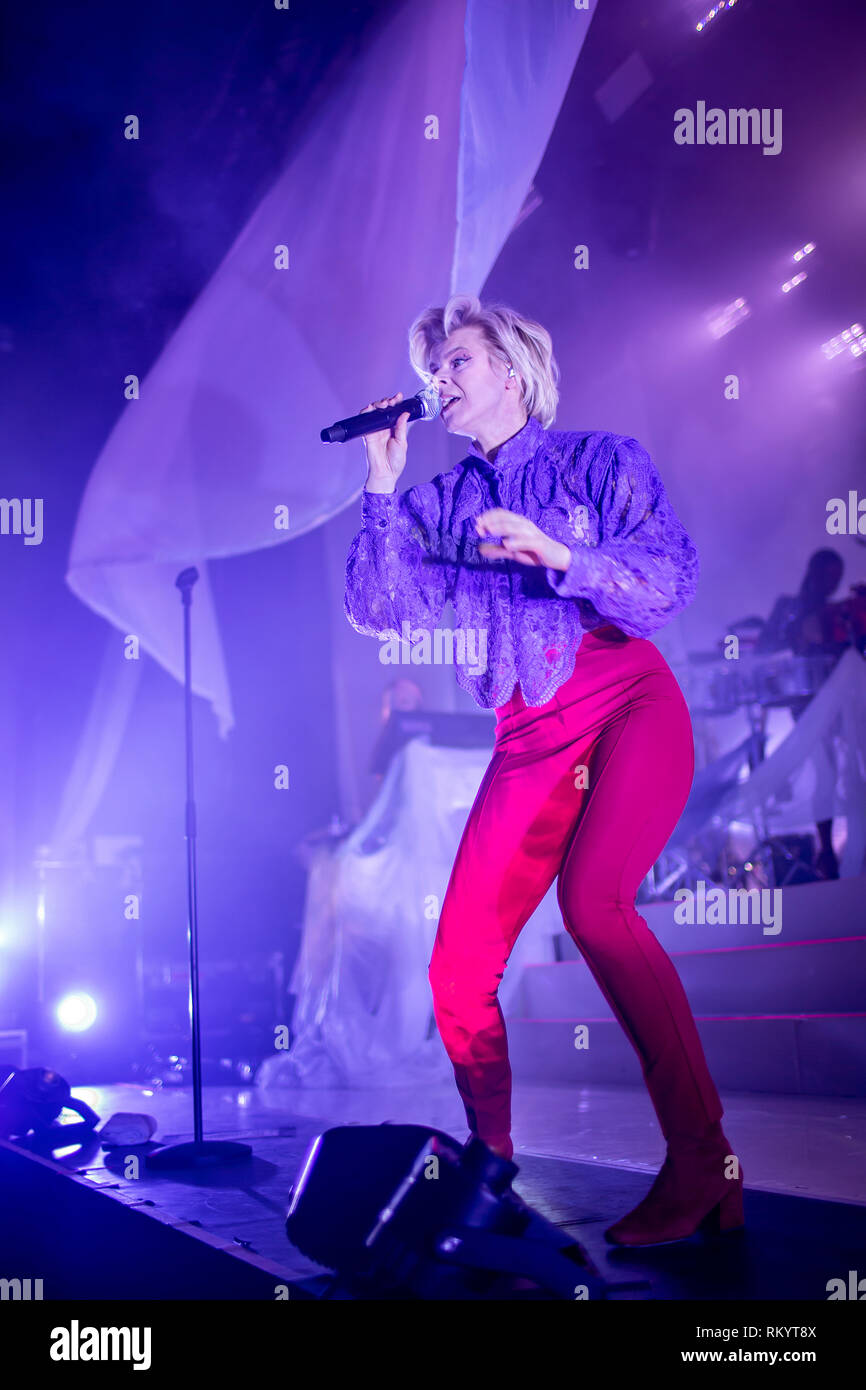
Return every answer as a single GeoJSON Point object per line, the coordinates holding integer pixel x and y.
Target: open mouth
{"type": "Point", "coordinates": [448, 401]}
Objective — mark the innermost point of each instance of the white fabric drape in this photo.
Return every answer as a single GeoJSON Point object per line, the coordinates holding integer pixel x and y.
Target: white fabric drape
{"type": "Point", "coordinates": [101, 738]}
{"type": "Point", "coordinates": [519, 62]}
{"type": "Point", "coordinates": [363, 1011]}
{"type": "Point", "coordinates": [227, 427]}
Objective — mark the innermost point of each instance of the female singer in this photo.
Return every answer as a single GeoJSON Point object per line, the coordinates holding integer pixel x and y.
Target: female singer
{"type": "Point", "coordinates": [565, 550]}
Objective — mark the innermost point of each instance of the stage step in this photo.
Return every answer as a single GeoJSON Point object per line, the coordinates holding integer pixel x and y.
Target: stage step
{"type": "Point", "coordinates": [819, 977]}
{"type": "Point", "coordinates": [789, 1054]}
{"type": "Point", "coordinates": [809, 911]}
{"type": "Point", "coordinates": [781, 1012]}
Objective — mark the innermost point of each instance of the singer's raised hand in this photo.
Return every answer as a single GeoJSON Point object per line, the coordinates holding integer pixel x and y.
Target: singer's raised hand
{"type": "Point", "coordinates": [386, 449]}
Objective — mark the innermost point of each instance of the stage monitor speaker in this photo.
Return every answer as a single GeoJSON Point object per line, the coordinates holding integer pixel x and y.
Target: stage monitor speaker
{"type": "Point", "coordinates": [406, 1211]}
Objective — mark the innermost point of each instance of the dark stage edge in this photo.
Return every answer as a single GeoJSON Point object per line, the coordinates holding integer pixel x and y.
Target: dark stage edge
{"type": "Point", "coordinates": [790, 1249]}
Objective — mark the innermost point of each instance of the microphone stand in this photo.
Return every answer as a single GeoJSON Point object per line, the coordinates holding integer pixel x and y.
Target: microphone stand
{"type": "Point", "coordinates": [200, 1151]}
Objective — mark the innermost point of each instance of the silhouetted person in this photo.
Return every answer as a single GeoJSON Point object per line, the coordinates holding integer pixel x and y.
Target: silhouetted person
{"type": "Point", "coordinates": [799, 623]}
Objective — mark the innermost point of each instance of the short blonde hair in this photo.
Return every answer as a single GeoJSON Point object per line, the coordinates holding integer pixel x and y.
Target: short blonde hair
{"type": "Point", "coordinates": [517, 341]}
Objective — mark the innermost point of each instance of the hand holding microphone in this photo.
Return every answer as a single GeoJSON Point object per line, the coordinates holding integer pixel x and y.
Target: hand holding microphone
{"type": "Point", "coordinates": [383, 425]}
{"type": "Point", "coordinates": [386, 448]}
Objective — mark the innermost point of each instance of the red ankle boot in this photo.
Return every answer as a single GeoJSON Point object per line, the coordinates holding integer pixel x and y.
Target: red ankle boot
{"type": "Point", "coordinates": [690, 1192]}
{"type": "Point", "coordinates": [503, 1147]}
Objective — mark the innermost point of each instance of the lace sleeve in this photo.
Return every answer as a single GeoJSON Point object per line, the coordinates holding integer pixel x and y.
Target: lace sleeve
{"type": "Point", "coordinates": [644, 568]}
{"type": "Point", "coordinates": [394, 572]}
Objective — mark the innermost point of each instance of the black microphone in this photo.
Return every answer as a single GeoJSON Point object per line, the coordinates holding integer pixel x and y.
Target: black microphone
{"type": "Point", "coordinates": [186, 578]}
{"type": "Point", "coordinates": [425, 406]}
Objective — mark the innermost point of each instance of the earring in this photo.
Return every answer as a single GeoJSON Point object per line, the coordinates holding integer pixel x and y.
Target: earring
{"type": "Point", "coordinates": [511, 371]}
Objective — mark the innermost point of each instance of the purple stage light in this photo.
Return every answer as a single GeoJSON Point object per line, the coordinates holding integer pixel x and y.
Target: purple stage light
{"type": "Point", "coordinates": [852, 340]}
{"type": "Point", "coordinates": [804, 251]}
{"type": "Point", "coordinates": [76, 1012]}
{"type": "Point", "coordinates": [797, 280]}
{"type": "Point", "coordinates": [721, 321]}
{"type": "Point", "coordinates": [713, 13]}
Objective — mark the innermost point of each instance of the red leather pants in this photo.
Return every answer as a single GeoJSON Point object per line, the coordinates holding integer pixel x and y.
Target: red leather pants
{"type": "Point", "coordinates": [536, 818]}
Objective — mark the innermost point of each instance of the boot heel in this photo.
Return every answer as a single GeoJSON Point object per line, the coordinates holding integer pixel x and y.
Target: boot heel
{"type": "Point", "coordinates": [727, 1215]}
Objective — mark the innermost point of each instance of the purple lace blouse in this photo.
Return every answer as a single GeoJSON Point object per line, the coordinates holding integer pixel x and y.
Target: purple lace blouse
{"type": "Point", "coordinates": [632, 563]}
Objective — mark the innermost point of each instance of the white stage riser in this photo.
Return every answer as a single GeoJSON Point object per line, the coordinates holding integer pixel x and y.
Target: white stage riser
{"type": "Point", "coordinates": [822, 977]}
{"type": "Point", "coordinates": [818, 1057]}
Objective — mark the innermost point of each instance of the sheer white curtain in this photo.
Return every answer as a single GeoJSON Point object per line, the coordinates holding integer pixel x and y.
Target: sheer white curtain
{"type": "Point", "coordinates": [519, 62]}
{"type": "Point", "coordinates": [363, 1014]}
{"type": "Point", "coordinates": [226, 431]}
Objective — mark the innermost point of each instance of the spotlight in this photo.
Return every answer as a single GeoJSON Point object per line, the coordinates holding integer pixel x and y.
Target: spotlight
{"type": "Point", "coordinates": [10, 933]}
{"type": "Point", "coordinates": [796, 280]}
{"type": "Point", "coordinates": [852, 340]}
{"type": "Point", "coordinates": [713, 14]}
{"type": "Point", "coordinates": [76, 1013]}
{"type": "Point", "coordinates": [721, 321]}
{"type": "Point", "coordinates": [804, 251]}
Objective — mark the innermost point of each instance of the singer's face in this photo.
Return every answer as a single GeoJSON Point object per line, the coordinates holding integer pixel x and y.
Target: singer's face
{"type": "Point", "coordinates": [470, 382]}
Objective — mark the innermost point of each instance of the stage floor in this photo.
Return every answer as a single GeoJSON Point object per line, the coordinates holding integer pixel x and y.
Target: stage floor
{"type": "Point", "coordinates": [584, 1156]}
{"type": "Point", "coordinates": [803, 1145]}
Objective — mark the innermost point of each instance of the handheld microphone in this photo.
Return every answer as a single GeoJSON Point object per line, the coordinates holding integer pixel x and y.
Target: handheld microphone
{"type": "Point", "coordinates": [425, 406]}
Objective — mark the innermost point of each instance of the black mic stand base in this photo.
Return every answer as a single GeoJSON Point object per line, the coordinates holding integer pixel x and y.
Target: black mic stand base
{"type": "Point", "coordinates": [198, 1153]}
